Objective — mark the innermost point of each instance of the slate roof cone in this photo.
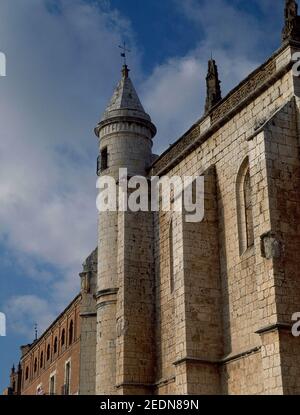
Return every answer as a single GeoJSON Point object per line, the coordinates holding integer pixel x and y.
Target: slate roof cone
{"type": "Point", "coordinates": [125, 102]}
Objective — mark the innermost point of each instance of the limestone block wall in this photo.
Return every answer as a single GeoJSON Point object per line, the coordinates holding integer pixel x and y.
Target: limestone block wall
{"type": "Point", "coordinates": [135, 304]}
{"type": "Point", "coordinates": [281, 244]}
{"type": "Point", "coordinates": [166, 331]}
{"type": "Point", "coordinates": [242, 275]}
{"type": "Point", "coordinates": [200, 344]}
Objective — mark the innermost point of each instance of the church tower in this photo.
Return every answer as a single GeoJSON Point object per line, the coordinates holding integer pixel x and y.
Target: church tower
{"type": "Point", "coordinates": [125, 302]}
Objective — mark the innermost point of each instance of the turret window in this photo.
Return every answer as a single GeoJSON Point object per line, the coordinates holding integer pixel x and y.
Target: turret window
{"type": "Point", "coordinates": [104, 159]}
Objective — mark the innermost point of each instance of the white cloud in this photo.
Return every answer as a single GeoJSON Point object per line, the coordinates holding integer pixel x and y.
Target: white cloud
{"type": "Point", "coordinates": [23, 312]}
{"type": "Point", "coordinates": [63, 63]}
{"type": "Point", "coordinates": [174, 94]}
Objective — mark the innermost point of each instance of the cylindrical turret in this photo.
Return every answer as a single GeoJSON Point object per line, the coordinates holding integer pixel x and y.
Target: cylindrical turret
{"type": "Point", "coordinates": [125, 137]}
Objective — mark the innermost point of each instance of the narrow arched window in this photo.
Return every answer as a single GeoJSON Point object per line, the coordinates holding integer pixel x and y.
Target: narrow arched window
{"type": "Point", "coordinates": [71, 332]}
{"type": "Point", "coordinates": [55, 345]}
{"type": "Point", "coordinates": [63, 337]}
{"type": "Point", "coordinates": [171, 258]}
{"type": "Point", "coordinates": [27, 373]}
{"type": "Point", "coordinates": [245, 208]}
{"type": "Point", "coordinates": [42, 360]}
{"type": "Point", "coordinates": [248, 210]}
{"type": "Point", "coordinates": [35, 365]}
{"type": "Point", "coordinates": [48, 352]}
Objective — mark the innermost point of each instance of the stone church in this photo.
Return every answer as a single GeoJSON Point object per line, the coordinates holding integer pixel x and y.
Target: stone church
{"type": "Point", "coordinates": [172, 307]}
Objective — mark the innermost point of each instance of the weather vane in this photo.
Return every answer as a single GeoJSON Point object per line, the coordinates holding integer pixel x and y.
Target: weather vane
{"type": "Point", "coordinates": [124, 50]}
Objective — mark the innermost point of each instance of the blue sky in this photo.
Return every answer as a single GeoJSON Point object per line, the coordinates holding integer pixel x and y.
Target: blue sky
{"type": "Point", "coordinates": [63, 63]}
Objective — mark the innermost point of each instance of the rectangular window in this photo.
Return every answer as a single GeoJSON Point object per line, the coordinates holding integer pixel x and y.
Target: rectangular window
{"type": "Point", "coordinates": [67, 378]}
{"type": "Point", "coordinates": [52, 384]}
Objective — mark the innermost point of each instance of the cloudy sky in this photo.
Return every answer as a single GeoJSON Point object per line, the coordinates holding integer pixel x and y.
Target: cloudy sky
{"type": "Point", "coordinates": [63, 63]}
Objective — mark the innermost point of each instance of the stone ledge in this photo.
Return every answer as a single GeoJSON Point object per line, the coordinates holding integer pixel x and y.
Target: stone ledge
{"type": "Point", "coordinates": [222, 361]}
{"type": "Point", "coordinates": [274, 327]}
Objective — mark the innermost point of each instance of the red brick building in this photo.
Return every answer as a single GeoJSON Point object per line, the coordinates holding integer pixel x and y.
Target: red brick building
{"type": "Point", "coordinates": [61, 360]}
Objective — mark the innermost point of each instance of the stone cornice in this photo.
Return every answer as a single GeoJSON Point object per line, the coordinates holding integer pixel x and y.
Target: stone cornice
{"type": "Point", "coordinates": [126, 118]}
{"type": "Point", "coordinates": [105, 293]}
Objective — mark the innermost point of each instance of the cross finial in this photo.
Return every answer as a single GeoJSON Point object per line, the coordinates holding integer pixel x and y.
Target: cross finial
{"type": "Point", "coordinates": [36, 331]}
{"type": "Point", "coordinates": [124, 50]}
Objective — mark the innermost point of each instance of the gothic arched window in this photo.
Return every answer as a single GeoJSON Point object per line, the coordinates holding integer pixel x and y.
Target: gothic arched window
{"type": "Point", "coordinates": [48, 352]}
{"type": "Point", "coordinates": [248, 210]}
{"type": "Point", "coordinates": [244, 208]}
{"type": "Point", "coordinates": [42, 360]}
{"type": "Point", "coordinates": [35, 365]}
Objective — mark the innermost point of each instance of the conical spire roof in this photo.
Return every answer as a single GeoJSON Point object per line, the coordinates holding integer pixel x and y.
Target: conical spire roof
{"type": "Point", "coordinates": [125, 100]}
{"type": "Point", "coordinates": [125, 96]}
{"type": "Point", "coordinates": [125, 103]}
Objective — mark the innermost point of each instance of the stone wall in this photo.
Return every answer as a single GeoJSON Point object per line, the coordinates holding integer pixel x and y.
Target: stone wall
{"type": "Point", "coordinates": [235, 360]}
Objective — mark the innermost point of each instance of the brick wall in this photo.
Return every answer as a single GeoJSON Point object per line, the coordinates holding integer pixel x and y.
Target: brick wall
{"type": "Point", "coordinates": [39, 374]}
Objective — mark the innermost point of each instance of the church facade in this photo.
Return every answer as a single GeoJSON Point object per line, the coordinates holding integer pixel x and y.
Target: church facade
{"type": "Point", "coordinates": [204, 308]}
